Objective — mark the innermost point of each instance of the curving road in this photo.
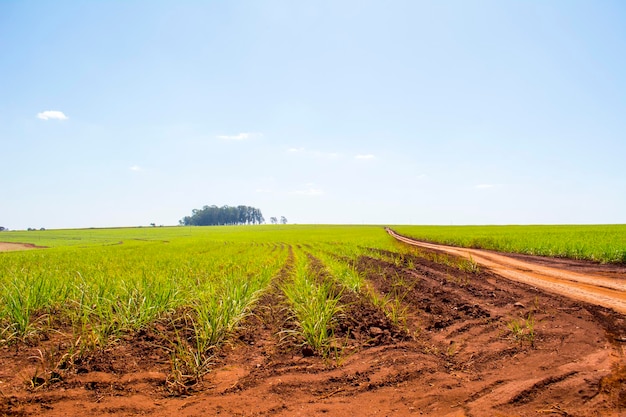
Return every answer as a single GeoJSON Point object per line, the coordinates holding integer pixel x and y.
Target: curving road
{"type": "Point", "coordinates": [594, 289]}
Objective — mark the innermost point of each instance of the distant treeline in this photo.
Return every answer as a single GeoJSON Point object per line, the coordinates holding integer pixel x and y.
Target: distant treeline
{"type": "Point", "coordinates": [226, 215]}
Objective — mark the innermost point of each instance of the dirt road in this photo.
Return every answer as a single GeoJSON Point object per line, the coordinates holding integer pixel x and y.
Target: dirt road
{"type": "Point", "coordinates": [604, 291]}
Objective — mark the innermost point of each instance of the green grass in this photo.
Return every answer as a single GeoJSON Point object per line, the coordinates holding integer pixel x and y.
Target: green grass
{"type": "Point", "coordinates": [111, 289]}
{"type": "Point", "coordinates": [600, 243]}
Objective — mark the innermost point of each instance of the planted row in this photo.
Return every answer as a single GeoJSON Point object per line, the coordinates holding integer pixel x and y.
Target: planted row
{"type": "Point", "coordinates": [100, 293]}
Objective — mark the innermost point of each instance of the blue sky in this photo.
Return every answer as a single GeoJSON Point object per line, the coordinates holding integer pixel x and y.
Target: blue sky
{"type": "Point", "coordinates": [124, 113]}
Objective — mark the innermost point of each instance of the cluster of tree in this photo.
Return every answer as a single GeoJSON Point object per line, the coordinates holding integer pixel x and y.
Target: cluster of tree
{"type": "Point", "coordinates": [274, 220]}
{"type": "Point", "coordinates": [226, 215]}
{"type": "Point", "coordinates": [2, 228]}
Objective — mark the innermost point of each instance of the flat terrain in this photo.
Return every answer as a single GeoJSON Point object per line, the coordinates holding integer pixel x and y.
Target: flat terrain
{"type": "Point", "coordinates": [468, 343]}
{"type": "Point", "coordinates": [579, 280]}
{"type": "Point", "coordinates": [7, 246]}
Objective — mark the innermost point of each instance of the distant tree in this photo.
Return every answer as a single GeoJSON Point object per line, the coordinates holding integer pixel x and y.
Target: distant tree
{"type": "Point", "coordinates": [273, 220]}
{"type": "Point", "coordinates": [283, 220]}
{"type": "Point", "coordinates": [226, 215]}
{"type": "Point", "coordinates": [153, 224]}
{"type": "Point", "coordinates": [2, 228]}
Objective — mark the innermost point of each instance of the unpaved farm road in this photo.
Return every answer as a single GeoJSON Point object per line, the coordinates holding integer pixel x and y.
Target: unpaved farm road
{"type": "Point", "coordinates": [595, 289]}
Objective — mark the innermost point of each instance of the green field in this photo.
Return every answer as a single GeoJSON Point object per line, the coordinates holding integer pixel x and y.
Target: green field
{"type": "Point", "coordinates": [96, 285]}
{"type": "Point", "coordinates": [600, 243]}
{"type": "Point", "coordinates": [262, 234]}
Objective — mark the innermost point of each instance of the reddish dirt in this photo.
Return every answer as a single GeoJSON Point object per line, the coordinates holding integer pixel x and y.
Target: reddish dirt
{"type": "Point", "coordinates": [8, 246]}
{"type": "Point", "coordinates": [456, 355]}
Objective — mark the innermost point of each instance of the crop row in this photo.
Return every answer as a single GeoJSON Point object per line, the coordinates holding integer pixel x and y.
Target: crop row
{"type": "Point", "coordinates": [199, 287]}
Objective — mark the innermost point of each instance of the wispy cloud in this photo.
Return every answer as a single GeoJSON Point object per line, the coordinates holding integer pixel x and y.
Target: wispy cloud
{"type": "Point", "coordinates": [263, 190]}
{"type": "Point", "coordinates": [52, 114]}
{"type": "Point", "coordinates": [309, 189]}
{"type": "Point", "coordinates": [241, 136]}
{"type": "Point", "coordinates": [365, 157]}
{"type": "Point", "coordinates": [135, 168]}
{"type": "Point", "coordinates": [484, 186]}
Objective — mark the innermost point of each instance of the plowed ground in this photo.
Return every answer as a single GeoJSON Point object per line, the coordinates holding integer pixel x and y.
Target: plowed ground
{"type": "Point", "coordinates": [453, 352]}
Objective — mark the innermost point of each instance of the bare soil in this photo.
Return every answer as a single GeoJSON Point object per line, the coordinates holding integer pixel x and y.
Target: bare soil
{"type": "Point", "coordinates": [453, 353]}
{"type": "Point", "coordinates": [8, 246]}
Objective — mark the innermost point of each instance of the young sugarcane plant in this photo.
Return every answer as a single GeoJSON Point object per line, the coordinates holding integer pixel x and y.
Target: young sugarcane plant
{"type": "Point", "coordinates": [315, 304]}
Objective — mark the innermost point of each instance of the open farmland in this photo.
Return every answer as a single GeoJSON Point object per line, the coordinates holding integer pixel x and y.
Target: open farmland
{"type": "Point", "coordinates": [291, 320]}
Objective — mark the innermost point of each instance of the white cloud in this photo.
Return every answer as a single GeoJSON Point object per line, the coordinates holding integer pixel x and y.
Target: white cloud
{"type": "Point", "coordinates": [309, 192]}
{"type": "Point", "coordinates": [135, 168]}
{"type": "Point", "coordinates": [484, 186]}
{"type": "Point", "coordinates": [365, 157]}
{"type": "Point", "coordinates": [263, 190]}
{"type": "Point", "coordinates": [52, 114]}
{"type": "Point", "coordinates": [295, 150]}
{"type": "Point", "coordinates": [241, 136]}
